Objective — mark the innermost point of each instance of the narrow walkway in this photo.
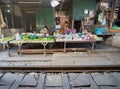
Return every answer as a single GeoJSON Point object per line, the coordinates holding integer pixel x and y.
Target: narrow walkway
{"type": "Point", "coordinates": [60, 58]}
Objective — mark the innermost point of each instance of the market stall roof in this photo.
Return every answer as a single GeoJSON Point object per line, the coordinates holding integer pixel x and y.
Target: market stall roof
{"type": "Point", "coordinates": [32, 5]}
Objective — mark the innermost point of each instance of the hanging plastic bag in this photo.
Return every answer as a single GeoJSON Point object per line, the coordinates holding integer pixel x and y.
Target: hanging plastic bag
{"type": "Point", "coordinates": [114, 27]}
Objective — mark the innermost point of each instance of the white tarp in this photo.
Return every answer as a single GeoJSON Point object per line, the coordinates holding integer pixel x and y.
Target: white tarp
{"type": "Point", "coordinates": [116, 40]}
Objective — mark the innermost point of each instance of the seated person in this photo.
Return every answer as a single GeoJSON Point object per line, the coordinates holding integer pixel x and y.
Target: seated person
{"type": "Point", "coordinates": [58, 26]}
{"type": "Point", "coordinates": [56, 33]}
{"type": "Point", "coordinates": [44, 30]}
{"type": "Point", "coordinates": [51, 30]}
{"type": "Point", "coordinates": [72, 30]}
{"type": "Point", "coordinates": [66, 28]}
{"type": "Point", "coordinates": [69, 30]}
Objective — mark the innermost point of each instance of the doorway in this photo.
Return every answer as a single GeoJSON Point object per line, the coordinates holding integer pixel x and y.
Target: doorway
{"type": "Point", "coordinates": [78, 25]}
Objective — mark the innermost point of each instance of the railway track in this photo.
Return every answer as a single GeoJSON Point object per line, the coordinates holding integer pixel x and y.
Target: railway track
{"type": "Point", "coordinates": [63, 68]}
{"type": "Point", "coordinates": [60, 77]}
{"type": "Point", "coordinates": [33, 80]}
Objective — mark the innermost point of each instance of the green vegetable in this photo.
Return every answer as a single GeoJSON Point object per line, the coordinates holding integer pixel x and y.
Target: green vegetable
{"type": "Point", "coordinates": [33, 37]}
{"type": "Point", "coordinates": [8, 38]}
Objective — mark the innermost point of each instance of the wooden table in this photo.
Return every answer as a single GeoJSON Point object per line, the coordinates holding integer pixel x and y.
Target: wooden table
{"type": "Point", "coordinates": [77, 41]}
{"type": "Point", "coordinates": [6, 43]}
{"type": "Point", "coordinates": [20, 42]}
{"type": "Point", "coordinates": [106, 35]}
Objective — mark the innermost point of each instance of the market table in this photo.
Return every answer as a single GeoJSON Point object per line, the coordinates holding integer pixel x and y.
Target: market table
{"type": "Point", "coordinates": [5, 41]}
{"type": "Point", "coordinates": [77, 41]}
{"type": "Point", "coordinates": [43, 42]}
{"type": "Point", "coordinates": [106, 35]}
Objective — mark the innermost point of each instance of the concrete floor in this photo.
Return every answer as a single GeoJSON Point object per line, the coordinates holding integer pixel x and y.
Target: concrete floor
{"type": "Point", "coordinates": [107, 55]}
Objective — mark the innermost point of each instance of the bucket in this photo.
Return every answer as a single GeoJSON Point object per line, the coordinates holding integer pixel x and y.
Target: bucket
{"type": "Point", "coordinates": [99, 31]}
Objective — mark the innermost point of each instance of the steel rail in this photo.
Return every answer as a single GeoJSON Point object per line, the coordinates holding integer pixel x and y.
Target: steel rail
{"type": "Point", "coordinates": [62, 68]}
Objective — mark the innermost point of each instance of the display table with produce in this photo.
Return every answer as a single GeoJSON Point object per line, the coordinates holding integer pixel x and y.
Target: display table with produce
{"type": "Point", "coordinates": [43, 40]}
{"type": "Point", "coordinates": [78, 38]}
{"type": "Point", "coordinates": [79, 41]}
{"type": "Point", "coordinates": [26, 38]}
{"type": "Point", "coordinates": [5, 42]}
{"type": "Point", "coordinates": [105, 36]}
{"type": "Point", "coordinates": [19, 40]}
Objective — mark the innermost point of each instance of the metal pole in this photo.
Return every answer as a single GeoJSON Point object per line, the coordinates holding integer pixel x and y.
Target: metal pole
{"type": "Point", "coordinates": [54, 17]}
{"type": "Point", "coordinates": [8, 44]}
{"type": "Point", "coordinates": [12, 17]}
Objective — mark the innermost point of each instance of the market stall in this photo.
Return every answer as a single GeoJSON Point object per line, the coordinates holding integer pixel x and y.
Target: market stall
{"type": "Point", "coordinates": [33, 38]}
{"type": "Point", "coordinates": [19, 40]}
{"type": "Point", "coordinates": [78, 38]}
{"type": "Point", "coordinates": [5, 42]}
{"type": "Point", "coordinates": [43, 41]}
